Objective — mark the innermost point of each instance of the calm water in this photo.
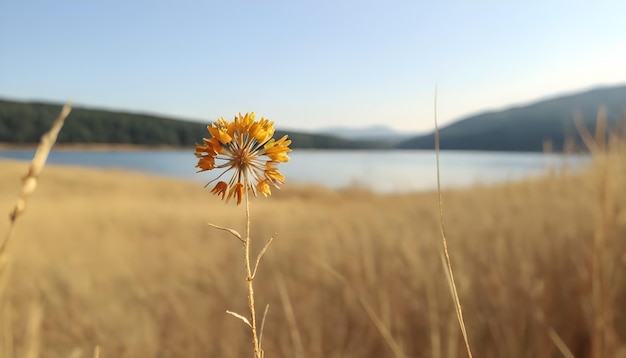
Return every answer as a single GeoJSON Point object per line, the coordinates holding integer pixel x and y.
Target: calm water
{"type": "Point", "coordinates": [385, 171]}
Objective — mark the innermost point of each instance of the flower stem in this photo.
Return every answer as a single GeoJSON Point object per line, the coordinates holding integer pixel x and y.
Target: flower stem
{"type": "Point", "coordinates": [249, 278]}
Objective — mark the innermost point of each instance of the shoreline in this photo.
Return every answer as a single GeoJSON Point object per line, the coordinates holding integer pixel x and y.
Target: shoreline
{"type": "Point", "coordinates": [96, 147]}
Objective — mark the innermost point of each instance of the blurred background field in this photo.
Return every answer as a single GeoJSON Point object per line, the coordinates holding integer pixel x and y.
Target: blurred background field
{"type": "Point", "coordinates": [127, 262]}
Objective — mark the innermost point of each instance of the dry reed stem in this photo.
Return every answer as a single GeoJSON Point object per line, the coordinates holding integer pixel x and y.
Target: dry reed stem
{"type": "Point", "coordinates": [267, 307]}
{"type": "Point", "coordinates": [448, 263]}
{"type": "Point", "coordinates": [554, 336]}
{"type": "Point", "coordinates": [5, 272]}
{"type": "Point", "coordinates": [600, 297]}
{"type": "Point", "coordinates": [434, 322]}
{"type": "Point", "coordinates": [603, 340]}
{"type": "Point", "coordinates": [560, 345]}
{"type": "Point", "coordinates": [602, 321]}
{"type": "Point", "coordinates": [8, 332]}
{"type": "Point", "coordinates": [380, 325]}
{"type": "Point", "coordinates": [291, 316]}
{"type": "Point", "coordinates": [453, 337]}
{"type": "Point", "coordinates": [33, 334]}
{"type": "Point", "coordinates": [382, 329]}
{"type": "Point", "coordinates": [29, 182]}
{"type": "Point", "coordinates": [595, 143]}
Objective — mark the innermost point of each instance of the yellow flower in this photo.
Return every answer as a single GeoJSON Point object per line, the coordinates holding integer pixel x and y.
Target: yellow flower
{"type": "Point", "coordinates": [246, 147]}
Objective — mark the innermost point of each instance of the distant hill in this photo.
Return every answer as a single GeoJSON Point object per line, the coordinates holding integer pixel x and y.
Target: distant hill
{"type": "Point", "coordinates": [25, 122]}
{"type": "Point", "coordinates": [525, 128]}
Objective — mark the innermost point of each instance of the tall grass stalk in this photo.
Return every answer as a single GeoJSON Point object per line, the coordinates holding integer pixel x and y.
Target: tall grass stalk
{"type": "Point", "coordinates": [602, 322]}
{"type": "Point", "coordinates": [29, 184]}
{"type": "Point", "coordinates": [33, 337]}
{"type": "Point", "coordinates": [444, 241]}
{"type": "Point", "coordinates": [290, 317]}
{"type": "Point", "coordinates": [383, 330]}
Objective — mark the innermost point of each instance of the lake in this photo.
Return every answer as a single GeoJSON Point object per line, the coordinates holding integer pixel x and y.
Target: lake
{"type": "Point", "coordinates": [382, 171]}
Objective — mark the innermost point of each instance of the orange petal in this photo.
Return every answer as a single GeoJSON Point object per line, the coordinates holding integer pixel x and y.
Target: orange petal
{"type": "Point", "coordinates": [222, 131]}
{"type": "Point", "coordinates": [274, 176]}
{"type": "Point", "coordinates": [237, 191]}
{"type": "Point", "coordinates": [264, 188]}
{"type": "Point", "coordinates": [206, 162]}
{"type": "Point", "coordinates": [220, 189]}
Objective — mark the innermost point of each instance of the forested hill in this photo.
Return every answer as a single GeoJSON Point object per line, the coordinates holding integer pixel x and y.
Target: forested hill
{"type": "Point", "coordinates": [523, 128]}
{"type": "Point", "coordinates": [25, 122]}
{"type": "Point", "coordinates": [526, 127]}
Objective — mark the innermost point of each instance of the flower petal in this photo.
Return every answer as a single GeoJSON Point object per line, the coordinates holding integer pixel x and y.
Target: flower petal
{"type": "Point", "coordinates": [222, 131]}
{"type": "Point", "coordinates": [264, 188]}
{"type": "Point", "coordinates": [220, 189]}
{"type": "Point", "coordinates": [236, 191]}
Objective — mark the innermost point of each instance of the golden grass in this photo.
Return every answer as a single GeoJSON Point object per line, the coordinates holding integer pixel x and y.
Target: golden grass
{"type": "Point", "coordinates": [127, 263]}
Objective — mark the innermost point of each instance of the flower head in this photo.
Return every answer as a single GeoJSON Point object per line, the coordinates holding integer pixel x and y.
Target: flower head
{"type": "Point", "coordinates": [246, 147]}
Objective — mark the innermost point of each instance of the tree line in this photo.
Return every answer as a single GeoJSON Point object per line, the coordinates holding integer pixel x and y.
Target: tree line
{"type": "Point", "coordinates": [25, 122]}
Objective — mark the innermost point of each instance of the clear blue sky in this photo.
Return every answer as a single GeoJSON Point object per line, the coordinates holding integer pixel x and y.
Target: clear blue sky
{"type": "Point", "coordinates": [309, 64]}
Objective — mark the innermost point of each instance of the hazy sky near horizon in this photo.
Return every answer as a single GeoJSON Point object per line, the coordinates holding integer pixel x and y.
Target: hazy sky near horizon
{"type": "Point", "coordinates": [309, 64]}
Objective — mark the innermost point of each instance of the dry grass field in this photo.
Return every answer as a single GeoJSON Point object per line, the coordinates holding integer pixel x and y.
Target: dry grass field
{"type": "Point", "coordinates": [128, 263]}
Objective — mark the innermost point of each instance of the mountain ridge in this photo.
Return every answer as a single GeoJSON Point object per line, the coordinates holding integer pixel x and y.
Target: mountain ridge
{"type": "Point", "coordinates": [523, 127]}
{"type": "Point", "coordinates": [527, 127]}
